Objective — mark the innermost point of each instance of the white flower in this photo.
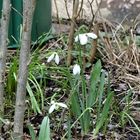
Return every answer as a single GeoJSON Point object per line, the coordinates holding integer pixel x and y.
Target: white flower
{"type": "Point", "coordinates": [56, 59]}
{"type": "Point", "coordinates": [76, 69]}
{"type": "Point", "coordinates": [83, 38]}
{"type": "Point", "coordinates": [56, 105]}
{"type": "Point", "coordinates": [51, 57]}
{"type": "Point", "coordinates": [54, 56]}
{"type": "Point", "coordinates": [92, 35]}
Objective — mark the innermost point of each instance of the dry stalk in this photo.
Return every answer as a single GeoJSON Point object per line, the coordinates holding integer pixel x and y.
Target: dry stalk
{"type": "Point", "coordinates": [96, 31]}
{"type": "Point", "coordinates": [57, 12]}
{"type": "Point", "coordinates": [109, 48]}
{"type": "Point", "coordinates": [127, 62]}
{"type": "Point", "coordinates": [94, 44]}
{"type": "Point", "coordinates": [72, 29]}
{"type": "Point", "coordinates": [92, 12]}
{"type": "Point", "coordinates": [66, 6]}
{"type": "Point", "coordinates": [80, 9]}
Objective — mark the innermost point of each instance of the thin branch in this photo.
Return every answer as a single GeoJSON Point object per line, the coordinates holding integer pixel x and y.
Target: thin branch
{"type": "Point", "coordinates": [66, 6]}
{"type": "Point", "coordinates": [57, 12]}
{"type": "Point", "coordinates": [72, 29]}
{"type": "Point", "coordinates": [28, 10]}
{"type": "Point", "coordinates": [80, 9]}
{"type": "Point", "coordinates": [92, 12]}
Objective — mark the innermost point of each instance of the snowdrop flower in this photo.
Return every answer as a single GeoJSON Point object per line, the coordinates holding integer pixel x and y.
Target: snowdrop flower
{"type": "Point", "coordinates": [83, 38]}
{"type": "Point", "coordinates": [76, 69]}
{"type": "Point", "coordinates": [54, 56]}
{"type": "Point", "coordinates": [56, 59]}
{"type": "Point", "coordinates": [56, 105]}
{"type": "Point", "coordinates": [51, 57]}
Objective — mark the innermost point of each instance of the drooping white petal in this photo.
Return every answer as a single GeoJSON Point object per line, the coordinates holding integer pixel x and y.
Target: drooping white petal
{"type": "Point", "coordinates": [62, 105]}
{"type": "Point", "coordinates": [76, 69]}
{"type": "Point", "coordinates": [52, 108]}
{"type": "Point", "coordinates": [51, 57]}
{"type": "Point", "coordinates": [77, 38]}
{"type": "Point", "coordinates": [91, 35]}
{"type": "Point", "coordinates": [82, 38]}
{"type": "Point", "coordinates": [56, 59]}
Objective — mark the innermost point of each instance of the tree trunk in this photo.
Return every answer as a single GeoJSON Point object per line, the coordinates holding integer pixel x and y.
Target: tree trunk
{"type": "Point", "coordinates": [28, 10]}
{"type": "Point", "coordinates": [3, 50]}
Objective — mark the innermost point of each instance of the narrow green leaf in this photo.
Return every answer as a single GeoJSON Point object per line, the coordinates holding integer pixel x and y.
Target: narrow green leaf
{"type": "Point", "coordinates": [11, 81]}
{"type": "Point", "coordinates": [35, 105]}
{"type": "Point", "coordinates": [76, 109]}
{"type": "Point", "coordinates": [94, 79]}
{"type": "Point", "coordinates": [100, 92]}
{"type": "Point", "coordinates": [32, 133]}
{"type": "Point", "coordinates": [44, 133]}
{"type": "Point", "coordinates": [104, 113]}
{"type": "Point", "coordinates": [87, 121]}
{"type": "Point", "coordinates": [38, 88]}
{"type": "Point", "coordinates": [137, 127]}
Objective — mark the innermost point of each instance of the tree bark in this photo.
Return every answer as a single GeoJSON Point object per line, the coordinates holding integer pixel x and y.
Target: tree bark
{"type": "Point", "coordinates": [3, 50]}
{"type": "Point", "coordinates": [28, 11]}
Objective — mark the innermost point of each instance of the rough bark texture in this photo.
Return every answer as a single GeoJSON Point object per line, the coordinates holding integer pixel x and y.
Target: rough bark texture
{"type": "Point", "coordinates": [28, 10]}
{"type": "Point", "coordinates": [3, 49]}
